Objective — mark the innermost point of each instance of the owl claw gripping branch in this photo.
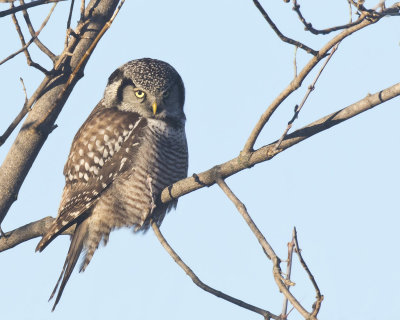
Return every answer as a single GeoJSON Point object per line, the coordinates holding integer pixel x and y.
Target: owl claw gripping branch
{"type": "Point", "coordinates": [134, 135]}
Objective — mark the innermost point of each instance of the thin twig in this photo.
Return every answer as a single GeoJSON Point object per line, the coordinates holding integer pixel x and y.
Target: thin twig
{"type": "Point", "coordinates": [18, 118]}
{"type": "Point", "coordinates": [280, 35]}
{"type": "Point", "coordinates": [71, 8]}
{"type": "Point", "coordinates": [311, 87]}
{"type": "Point", "coordinates": [82, 10]}
{"type": "Point", "coordinates": [319, 297]}
{"type": "Point", "coordinates": [202, 285]}
{"type": "Point", "coordinates": [280, 281]}
{"type": "Point", "coordinates": [26, 6]}
{"type": "Point", "coordinates": [288, 275]}
{"type": "Point", "coordinates": [308, 26]}
{"type": "Point", "coordinates": [40, 45]}
{"type": "Point", "coordinates": [26, 45]}
{"type": "Point", "coordinates": [350, 12]}
{"type": "Point", "coordinates": [296, 83]}
{"type": "Point", "coordinates": [295, 61]}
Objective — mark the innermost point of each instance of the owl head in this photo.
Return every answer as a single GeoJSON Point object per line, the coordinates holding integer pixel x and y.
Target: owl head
{"type": "Point", "coordinates": [149, 87]}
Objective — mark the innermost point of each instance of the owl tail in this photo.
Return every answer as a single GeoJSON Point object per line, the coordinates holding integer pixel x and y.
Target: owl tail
{"type": "Point", "coordinates": [74, 252]}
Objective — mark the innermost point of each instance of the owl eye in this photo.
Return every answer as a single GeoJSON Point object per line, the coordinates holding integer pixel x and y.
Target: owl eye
{"type": "Point", "coordinates": [166, 94]}
{"type": "Point", "coordinates": [140, 94]}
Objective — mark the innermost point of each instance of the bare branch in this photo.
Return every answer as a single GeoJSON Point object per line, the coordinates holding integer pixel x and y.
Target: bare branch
{"type": "Point", "coordinates": [310, 89]}
{"type": "Point", "coordinates": [27, 232]}
{"type": "Point", "coordinates": [40, 45]}
{"type": "Point", "coordinates": [319, 297]}
{"type": "Point", "coordinates": [280, 281]}
{"type": "Point", "coordinates": [202, 285]}
{"type": "Point", "coordinates": [296, 83]}
{"type": "Point", "coordinates": [280, 35]}
{"type": "Point", "coordinates": [26, 45]}
{"type": "Point", "coordinates": [308, 26]}
{"type": "Point", "coordinates": [26, 6]}
{"type": "Point", "coordinates": [17, 120]}
{"type": "Point", "coordinates": [288, 275]}
{"type": "Point", "coordinates": [245, 161]}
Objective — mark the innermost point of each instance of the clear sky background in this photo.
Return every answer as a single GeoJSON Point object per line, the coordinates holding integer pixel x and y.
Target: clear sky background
{"type": "Point", "coordinates": [339, 188]}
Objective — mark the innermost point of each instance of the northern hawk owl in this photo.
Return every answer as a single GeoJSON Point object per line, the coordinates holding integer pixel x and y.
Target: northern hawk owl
{"type": "Point", "coordinates": [131, 147]}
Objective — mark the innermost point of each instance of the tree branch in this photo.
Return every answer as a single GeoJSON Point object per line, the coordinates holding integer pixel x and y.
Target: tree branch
{"type": "Point", "coordinates": [371, 18]}
{"type": "Point", "coordinates": [40, 45]}
{"type": "Point", "coordinates": [27, 232]}
{"type": "Point", "coordinates": [280, 281]}
{"type": "Point", "coordinates": [202, 285]}
{"type": "Point", "coordinates": [280, 35]}
{"type": "Point", "coordinates": [319, 297]}
{"type": "Point", "coordinates": [245, 161]}
{"type": "Point", "coordinates": [26, 6]}
{"type": "Point", "coordinates": [308, 26]}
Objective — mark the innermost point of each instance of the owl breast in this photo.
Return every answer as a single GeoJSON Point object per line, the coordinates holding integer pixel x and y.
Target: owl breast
{"type": "Point", "coordinates": [133, 199]}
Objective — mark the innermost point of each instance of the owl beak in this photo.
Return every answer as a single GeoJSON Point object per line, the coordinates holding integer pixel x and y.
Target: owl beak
{"type": "Point", "coordinates": [154, 105]}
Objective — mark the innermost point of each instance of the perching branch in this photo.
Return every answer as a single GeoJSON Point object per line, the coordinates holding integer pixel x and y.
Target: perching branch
{"type": "Point", "coordinates": [202, 285]}
{"type": "Point", "coordinates": [265, 153]}
{"type": "Point", "coordinates": [224, 170]}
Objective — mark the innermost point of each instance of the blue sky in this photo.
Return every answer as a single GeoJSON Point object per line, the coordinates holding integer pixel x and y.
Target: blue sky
{"type": "Point", "coordinates": [339, 188]}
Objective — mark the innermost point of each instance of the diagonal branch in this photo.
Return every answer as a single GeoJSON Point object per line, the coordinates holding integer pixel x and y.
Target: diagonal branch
{"type": "Point", "coordinates": [26, 6]}
{"type": "Point", "coordinates": [202, 285]}
{"type": "Point", "coordinates": [310, 89]}
{"type": "Point", "coordinates": [297, 81]}
{"type": "Point", "coordinates": [25, 109]}
{"type": "Point", "coordinates": [26, 45]}
{"type": "Point", "coordinates": [280, 281]}
{"type": "Point", "coordinates": [245, 161]}
{"type": "Point", "coordinates": [40, 45]}
{"type": "Point", "coordinates": [280, 35]}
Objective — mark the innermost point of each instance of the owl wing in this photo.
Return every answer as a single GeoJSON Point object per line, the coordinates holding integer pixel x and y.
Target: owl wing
{"type": "Point", "coordinates": [99, 154]}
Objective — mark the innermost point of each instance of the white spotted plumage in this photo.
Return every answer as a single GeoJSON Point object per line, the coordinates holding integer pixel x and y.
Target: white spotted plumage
{"type": "Point", "coordinates": [121, 159]}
